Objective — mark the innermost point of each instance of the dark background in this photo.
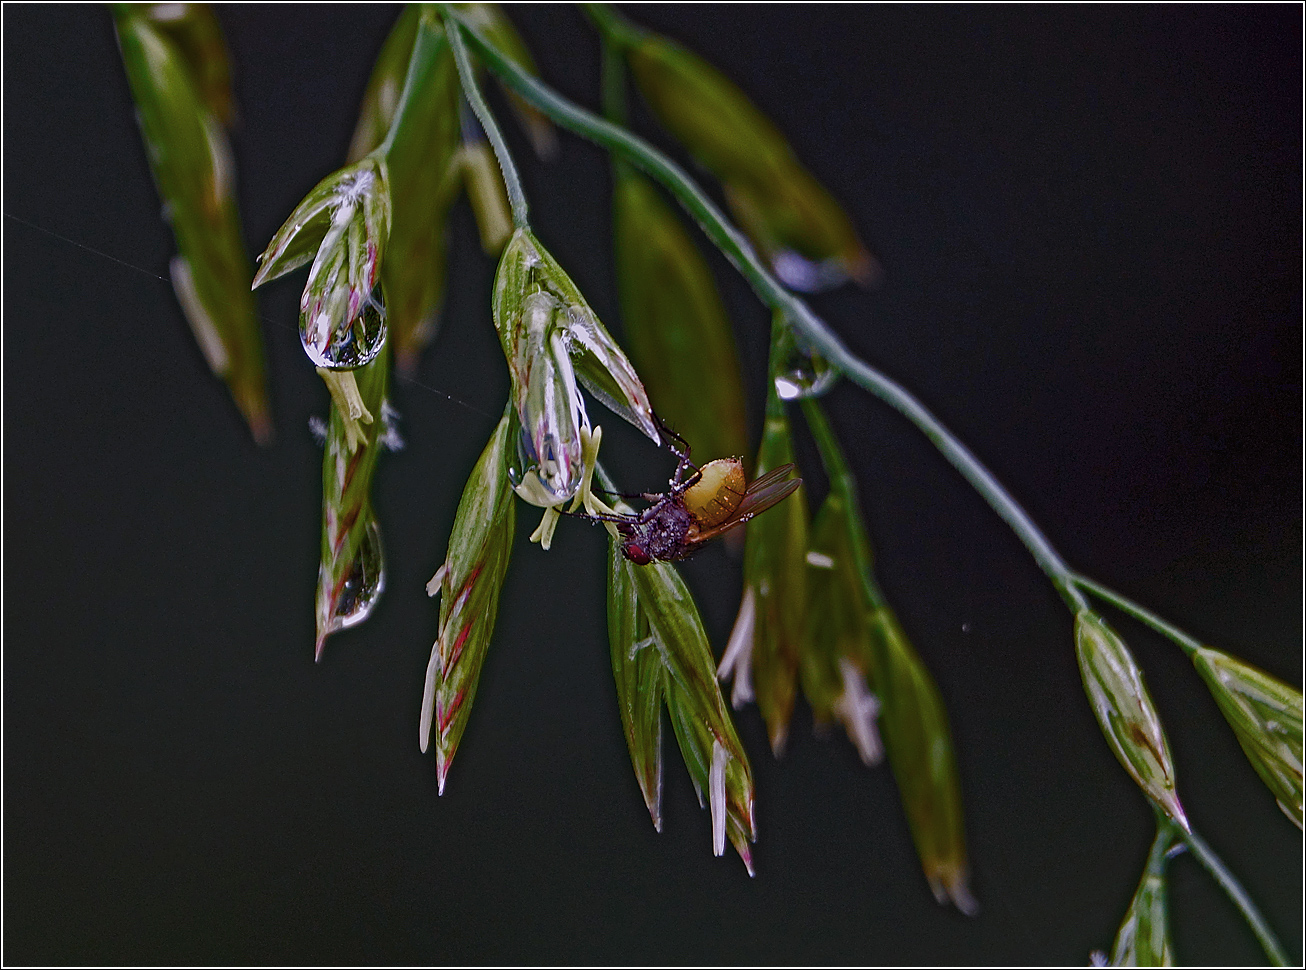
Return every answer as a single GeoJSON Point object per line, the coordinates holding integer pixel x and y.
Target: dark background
{"type": "Point", "coordinates": [1090, 222]}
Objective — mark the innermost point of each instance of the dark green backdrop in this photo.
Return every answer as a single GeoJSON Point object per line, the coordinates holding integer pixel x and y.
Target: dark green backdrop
{"type": "Point", "coordinates": [1090, 224]}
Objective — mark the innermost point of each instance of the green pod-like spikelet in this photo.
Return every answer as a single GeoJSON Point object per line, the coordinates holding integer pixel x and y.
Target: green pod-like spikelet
{"type": "Point", "coordinates": [177, 66]}
{"type": "Point", "coordinates": [836, 653]}
{"type": "Point", "coordinates": [771, 627]}
{"type": "Point", "coordinates": [469, 583]}
{"type": "Point", "coordinates": [351, 574]}
{"type": "Point", "coordinates": [918, 741]}
{"type": "Point", "coordinates": [660, 652]}
{"type": "Point", "coordinates": [1266, 717]}
{"type": "Point", "coordinates": [342, 227]}
{"type": "Point", "coordinates": [552, 340]}
{"type": "Point", "coordinates": [676, 326]}
{"type": "Point", "coordinates": [1125, 711]}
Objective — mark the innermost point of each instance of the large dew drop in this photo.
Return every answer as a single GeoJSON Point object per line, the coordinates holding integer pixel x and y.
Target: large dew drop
{"type": "Point", "coordinates": [549, 474]}
{"type": "Point", "coordinates": [346, 345]}
{"type": "Point", "coordinates": [803, 373]}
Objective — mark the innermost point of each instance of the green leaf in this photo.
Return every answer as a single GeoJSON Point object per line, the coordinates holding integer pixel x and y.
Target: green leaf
{"type": "Point", "coordinates": [791, 217]}
{"type": "Point", "coordinates": [469, 584]}
{"type": "Point", "coordinates": [1266, 717]}
{"type": "Point", "coordinates": [675, 323]}
{"type": "Point", "coordinates": [1125, 712]}
{"type": "Point", "coordinates": [176, 89]}
{"type": "Point", "coordinates": [351, 574]}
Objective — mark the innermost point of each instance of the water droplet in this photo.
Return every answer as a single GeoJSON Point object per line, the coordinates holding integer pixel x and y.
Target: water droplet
{"type": "Point", "coordinates": [803, 373]}
{"type": "Point", "coordinates": [806, 275]}
{"type": "Point", "coordinates": [544, 476]}
{"type": "Point", "coordinates": [346, 345]}
{"type": "Point", "coordinates": [363, 586]}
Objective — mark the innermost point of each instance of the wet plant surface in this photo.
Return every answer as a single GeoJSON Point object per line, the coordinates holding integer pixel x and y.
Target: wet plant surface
{"type": "Point", "coordinates": [1089, 223]}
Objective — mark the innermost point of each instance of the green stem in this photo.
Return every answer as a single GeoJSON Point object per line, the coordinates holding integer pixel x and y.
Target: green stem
{"type": "Point", "coordinates": [1211, 862]}
{"type": "Point", "coordinates": [420, 62]}
{"type": "Point", "coordinates": [467, 74]}
{"type": "Point", "coordinates": [1140, 613]}
{"type": "Point", "coordinates": [1166, 831]}
{"type": "Point", "coordinates": [844, 485]}
{"type": "Point", "coordinates": [818, 335]}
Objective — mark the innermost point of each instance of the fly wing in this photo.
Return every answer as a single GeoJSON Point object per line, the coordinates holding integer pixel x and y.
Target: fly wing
{"type": "Point", "coordinates": [763, 493]}
{"type": "Point", "coordinates": [770, 478]}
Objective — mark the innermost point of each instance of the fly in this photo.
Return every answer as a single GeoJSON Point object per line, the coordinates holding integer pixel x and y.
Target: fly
{"type": "Point", "coordinates": [700, 504]}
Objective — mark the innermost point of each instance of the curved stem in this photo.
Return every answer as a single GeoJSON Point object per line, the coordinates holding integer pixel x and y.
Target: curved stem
{"type": "Point", "coordinates": [1234, 890]}
{"type": "Point", "coordinates": [467, 75]}
{"type": "Point", "coordinates": [1188, 644]}
{"type": "Point", "coordinates": [815, 331]}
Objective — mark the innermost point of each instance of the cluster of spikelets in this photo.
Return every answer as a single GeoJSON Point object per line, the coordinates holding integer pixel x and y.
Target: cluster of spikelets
{"type": "Point", "coordinates": [812, 616]}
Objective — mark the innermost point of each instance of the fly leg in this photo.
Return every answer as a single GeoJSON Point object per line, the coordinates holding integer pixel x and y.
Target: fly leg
{"type": "Point", "coordinates": [683, 464]}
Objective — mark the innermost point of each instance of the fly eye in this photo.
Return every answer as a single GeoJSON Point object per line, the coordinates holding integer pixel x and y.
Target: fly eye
{"type": "Point", "coordinates": [636, 554]}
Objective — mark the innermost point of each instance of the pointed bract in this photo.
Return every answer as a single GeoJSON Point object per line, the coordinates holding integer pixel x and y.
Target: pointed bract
{"type": "Point", "coordinates": [1266, 717]}
{"type": "Point", "coordinates": [471, 579]}
{"type": "Point", "coordinates": [351, 574]}
{"type": "Point", "coordinates": [552, 340]}
{"type": "Point", "coordinates": [1143, 939]}
{"type": "Point", "coordinates": [342, 226]}
{"type": "Point", "coordinates": [918, 741]}
{"type": "Point", "coordinates": [660, 651]}
{"type": "Point", "coordinates": [639, 671]}
{"type": "Point", "coordinates": [775, 575]}
{"type": "Point", "coordinates": [1125, 712]}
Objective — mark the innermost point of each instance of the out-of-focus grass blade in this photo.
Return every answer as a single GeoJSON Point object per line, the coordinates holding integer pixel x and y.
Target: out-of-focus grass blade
{"type": "Point", "coordinates": [679, 336]}
{"type": "Point", "coordinates": [794, 221]}
{"type": "Point", "coordinates": [911, 715]}
{"type": "Point", "coordinates": [425, 175]}
{"type": "Point", "coordinates": [178, 74]}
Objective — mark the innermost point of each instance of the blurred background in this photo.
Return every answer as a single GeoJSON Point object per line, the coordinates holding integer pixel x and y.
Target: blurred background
{"type": "Point", "coordinates": [1090, 225]}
